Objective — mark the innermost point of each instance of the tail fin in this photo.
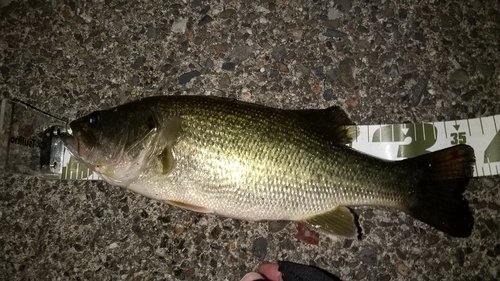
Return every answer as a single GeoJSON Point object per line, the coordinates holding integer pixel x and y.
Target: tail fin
{"type": "Point", "coordinates": [438, 199]}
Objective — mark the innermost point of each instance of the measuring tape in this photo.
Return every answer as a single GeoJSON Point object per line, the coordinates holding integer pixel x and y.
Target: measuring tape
{"type": "Point", "coordinates": [396, 142]}
{"type": "Point", "coordinates": [400, 141]}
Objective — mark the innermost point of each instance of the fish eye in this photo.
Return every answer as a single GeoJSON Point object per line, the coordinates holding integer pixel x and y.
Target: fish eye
{"type": "Point", "coordinates": [93, 118]}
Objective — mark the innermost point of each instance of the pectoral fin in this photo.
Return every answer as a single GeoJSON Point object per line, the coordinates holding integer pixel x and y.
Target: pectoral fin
{"type": "Point", "coordinates": [338, 221]}
{"type": "Point", "coordinates": [170, 135]}
{"type": "Point", "coordinates": [167, 160]}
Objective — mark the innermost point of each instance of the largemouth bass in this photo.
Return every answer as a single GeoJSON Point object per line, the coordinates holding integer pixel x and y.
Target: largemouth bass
{"type": "Point", "coordinates": [250, 162]}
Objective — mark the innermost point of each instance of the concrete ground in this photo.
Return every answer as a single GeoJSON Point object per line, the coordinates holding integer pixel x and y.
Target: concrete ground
{"type": "Point", "coordinates": [383, 61]}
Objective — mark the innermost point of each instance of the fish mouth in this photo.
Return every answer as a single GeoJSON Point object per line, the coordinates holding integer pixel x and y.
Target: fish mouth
{"type": "Point", "coordinates": [79, 143]}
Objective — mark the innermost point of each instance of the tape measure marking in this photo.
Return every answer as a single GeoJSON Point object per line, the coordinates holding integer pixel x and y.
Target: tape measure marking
{"type": "Point", "coordinates": [400, 141]}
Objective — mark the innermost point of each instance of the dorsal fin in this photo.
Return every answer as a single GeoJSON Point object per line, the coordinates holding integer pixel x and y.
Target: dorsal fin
{"type": "Point", "coordinates": [332, 120]}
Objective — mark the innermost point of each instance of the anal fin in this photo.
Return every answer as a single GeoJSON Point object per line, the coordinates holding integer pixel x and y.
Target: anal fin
{"type": "Point", "coordinates": [338, 221]}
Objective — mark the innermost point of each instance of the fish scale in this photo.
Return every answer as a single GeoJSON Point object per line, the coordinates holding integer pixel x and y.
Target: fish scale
{"type": "Point", "coordinates": [309, 162]}
{"type": "Point", "coordinates": [253, 162]}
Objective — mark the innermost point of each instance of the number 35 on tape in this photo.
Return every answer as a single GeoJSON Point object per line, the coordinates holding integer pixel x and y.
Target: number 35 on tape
{"type": "Point", "coordinates": [399, 141]}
